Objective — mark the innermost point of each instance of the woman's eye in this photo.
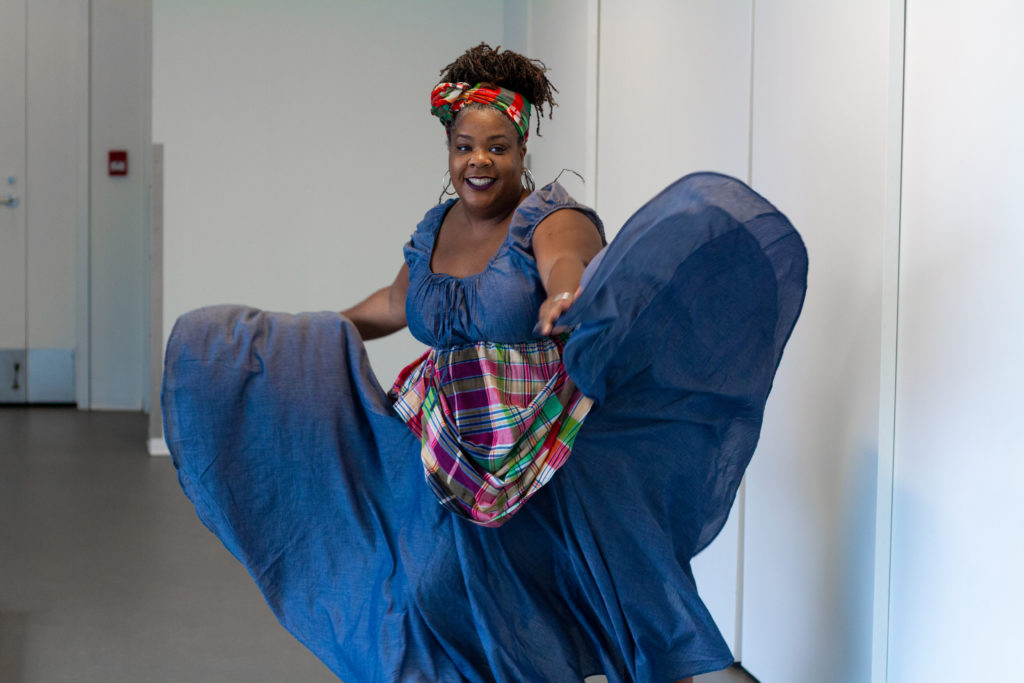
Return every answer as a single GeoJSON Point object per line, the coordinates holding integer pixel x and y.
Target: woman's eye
{"type": "Point", "coordinates": [497, 150]}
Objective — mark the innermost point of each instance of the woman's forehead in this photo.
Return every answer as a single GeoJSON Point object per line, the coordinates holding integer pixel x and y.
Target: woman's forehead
{"type": "Point", "coordinates": [483, 121]}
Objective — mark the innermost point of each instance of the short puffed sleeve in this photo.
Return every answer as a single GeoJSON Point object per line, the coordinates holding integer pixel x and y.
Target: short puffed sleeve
{"type": "Point", "coordinates": [538, 206]}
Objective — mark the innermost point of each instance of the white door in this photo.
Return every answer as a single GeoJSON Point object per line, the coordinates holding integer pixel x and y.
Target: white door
{"type": "Point", "coordinates": [13, 260]}
{"type": "Point", "coordinates": [42, 81]}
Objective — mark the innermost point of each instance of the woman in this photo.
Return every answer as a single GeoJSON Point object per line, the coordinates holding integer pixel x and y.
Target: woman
{"type": "Point", "coordinates": [487, 126]}
{"type": "Point", "coordinates": [576, 476]}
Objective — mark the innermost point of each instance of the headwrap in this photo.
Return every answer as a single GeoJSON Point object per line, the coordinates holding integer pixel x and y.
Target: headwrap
{"type": "Point", "coordinates": [448, 98]}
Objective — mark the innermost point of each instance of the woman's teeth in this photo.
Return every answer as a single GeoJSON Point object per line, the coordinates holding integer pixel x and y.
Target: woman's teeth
{"type": "Point", "coordinates": [480, 182]}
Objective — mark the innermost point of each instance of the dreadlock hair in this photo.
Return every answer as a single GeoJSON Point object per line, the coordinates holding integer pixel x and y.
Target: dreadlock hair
{"type": "Point", "coordinates": [484, 64]}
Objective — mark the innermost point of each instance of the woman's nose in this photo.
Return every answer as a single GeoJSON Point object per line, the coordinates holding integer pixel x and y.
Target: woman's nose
{"type": "Point", "coordinates": [480, 158]}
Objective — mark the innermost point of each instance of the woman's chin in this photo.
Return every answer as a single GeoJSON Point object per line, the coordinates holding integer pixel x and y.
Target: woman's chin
{"type": "Point", "coordinates": [480, 197]}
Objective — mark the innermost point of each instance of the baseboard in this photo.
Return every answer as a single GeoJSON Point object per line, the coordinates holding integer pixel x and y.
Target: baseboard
{"type": "Point", "coordinates": [158, 447]}
{"type": "Point", "coordinates": [739, 667]}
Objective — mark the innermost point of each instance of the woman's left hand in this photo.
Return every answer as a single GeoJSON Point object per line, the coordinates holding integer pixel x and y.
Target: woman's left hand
{"type": "Point", "coordinates": [552, 308]}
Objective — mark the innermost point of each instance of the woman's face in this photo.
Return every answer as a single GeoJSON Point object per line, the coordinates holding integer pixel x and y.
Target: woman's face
{"type": "Point", "coordinates": [485, 159]}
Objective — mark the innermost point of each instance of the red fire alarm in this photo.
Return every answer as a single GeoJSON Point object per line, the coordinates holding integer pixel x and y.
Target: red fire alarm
{"type": "Point", "coordinates": [117, 162]}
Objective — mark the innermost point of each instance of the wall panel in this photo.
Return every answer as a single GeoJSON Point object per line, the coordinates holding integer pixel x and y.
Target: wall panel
{"type": "Point", "coordinates": [957, 558]}
{"type": "Point", "coordinates": [563, 35]}
{"type": "Point", "coordinates": [820, 126]}
{"type": "Point", "coordinates": [674, 97]}
{"type": "Point", "coordinates": [119, 216]}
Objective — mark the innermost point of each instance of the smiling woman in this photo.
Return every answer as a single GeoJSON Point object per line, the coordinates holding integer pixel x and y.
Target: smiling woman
{"type": "Point", "coordinates": [582, 418]}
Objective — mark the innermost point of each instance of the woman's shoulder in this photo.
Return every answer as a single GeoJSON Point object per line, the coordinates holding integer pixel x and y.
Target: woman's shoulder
{"type": "Point", "coordinates": [432, 219]}
{"type": "Point", "coordinates": [540, 204]}
{"type": "Point", "coordinates": [543, 200]}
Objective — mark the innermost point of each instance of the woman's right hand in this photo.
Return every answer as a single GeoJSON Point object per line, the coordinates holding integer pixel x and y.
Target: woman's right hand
{"type": "Point", "coordinates": [552, 309]}
{"type": "Point", "coordinates": [563, 245]}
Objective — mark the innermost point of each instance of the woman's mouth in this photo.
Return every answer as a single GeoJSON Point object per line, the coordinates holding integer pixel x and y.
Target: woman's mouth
{"type": "Point", "coordinates": [480, 183]}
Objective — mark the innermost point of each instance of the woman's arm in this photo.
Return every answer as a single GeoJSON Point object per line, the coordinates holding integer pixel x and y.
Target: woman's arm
{"type": "Point", "coordinates": [383, 312]}
{"type": "Point", "coordinates": [563, 244]}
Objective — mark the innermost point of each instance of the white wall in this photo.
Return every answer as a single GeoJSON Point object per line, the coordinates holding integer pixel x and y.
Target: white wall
{"type": "Point", "coordinates": [957, 563]}
{"type": "Point", "coordinates": [119, 215]}
{"type": "Point", "coordinates": [563, 35]}
{"type": "Point", "coordinates": [820, 125]}
{"type": "Point", "coordinates": [299, 148]}
{"type": "Point", "coordinates": [674, 97]}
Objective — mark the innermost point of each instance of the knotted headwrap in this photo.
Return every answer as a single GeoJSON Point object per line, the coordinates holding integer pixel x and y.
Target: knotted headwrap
{"type": "Point", "coordinates": [448, 98]}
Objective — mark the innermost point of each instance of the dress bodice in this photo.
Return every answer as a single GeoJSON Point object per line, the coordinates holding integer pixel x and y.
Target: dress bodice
{"type": "Point", "coordinates": [498, 304]}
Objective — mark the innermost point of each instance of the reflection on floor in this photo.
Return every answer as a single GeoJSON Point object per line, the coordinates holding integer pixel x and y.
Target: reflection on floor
{"type": "Point", "coordinates": [107, 575]}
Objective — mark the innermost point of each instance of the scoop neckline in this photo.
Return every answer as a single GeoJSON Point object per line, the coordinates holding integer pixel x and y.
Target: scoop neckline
{"type": "Point", "coordinates": [502, 248]}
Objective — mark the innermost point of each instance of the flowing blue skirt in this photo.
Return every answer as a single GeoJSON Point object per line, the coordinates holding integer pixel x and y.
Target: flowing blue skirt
{"type": "Point", "coordinates": [287, 444]}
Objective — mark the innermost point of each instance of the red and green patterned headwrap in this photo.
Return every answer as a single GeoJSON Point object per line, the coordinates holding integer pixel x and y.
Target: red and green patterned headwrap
{"type": "Point", "coordinates": [448, 98]}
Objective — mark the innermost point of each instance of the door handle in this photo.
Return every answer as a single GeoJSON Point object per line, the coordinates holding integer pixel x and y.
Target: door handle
{"type": "Point", "coordinates": [9, 200]}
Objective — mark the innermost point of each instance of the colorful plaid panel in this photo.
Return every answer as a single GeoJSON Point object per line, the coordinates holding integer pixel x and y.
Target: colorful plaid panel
{"type": "Point", "coordinates": [495, 422]}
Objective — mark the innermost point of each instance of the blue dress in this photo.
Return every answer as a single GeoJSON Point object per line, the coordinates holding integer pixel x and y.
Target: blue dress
{"type": "Point", "coordinates": [290, 450]}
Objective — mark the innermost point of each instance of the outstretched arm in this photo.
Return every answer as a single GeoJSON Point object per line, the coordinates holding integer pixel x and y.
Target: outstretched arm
{"type": "Point", "coordinates": [563, 244]}
{"type": "Point", "coordinates": [383, 312]}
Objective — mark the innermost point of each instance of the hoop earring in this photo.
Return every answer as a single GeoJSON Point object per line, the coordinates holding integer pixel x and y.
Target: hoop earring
{"type": "Point", "coordinates": [528, 181]}
{"type": "Point", "coordinates": [446, 186]}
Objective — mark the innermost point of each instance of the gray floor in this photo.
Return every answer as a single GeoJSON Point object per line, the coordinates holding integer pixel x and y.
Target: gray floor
{"type": "Point", "coordinates": [107, 575]}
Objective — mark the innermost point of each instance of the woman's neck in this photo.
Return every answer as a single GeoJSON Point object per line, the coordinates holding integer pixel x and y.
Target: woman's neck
{"type": "Point", "coordinates": [487, 221]}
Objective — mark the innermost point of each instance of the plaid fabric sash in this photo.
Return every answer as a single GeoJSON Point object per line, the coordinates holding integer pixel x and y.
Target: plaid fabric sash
{"type": "Point", "coordinates": [495, 421]}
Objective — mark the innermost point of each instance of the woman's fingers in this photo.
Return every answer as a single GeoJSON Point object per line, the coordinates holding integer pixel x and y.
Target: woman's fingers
{"type": "Point", "coordinates": [553, 307]}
